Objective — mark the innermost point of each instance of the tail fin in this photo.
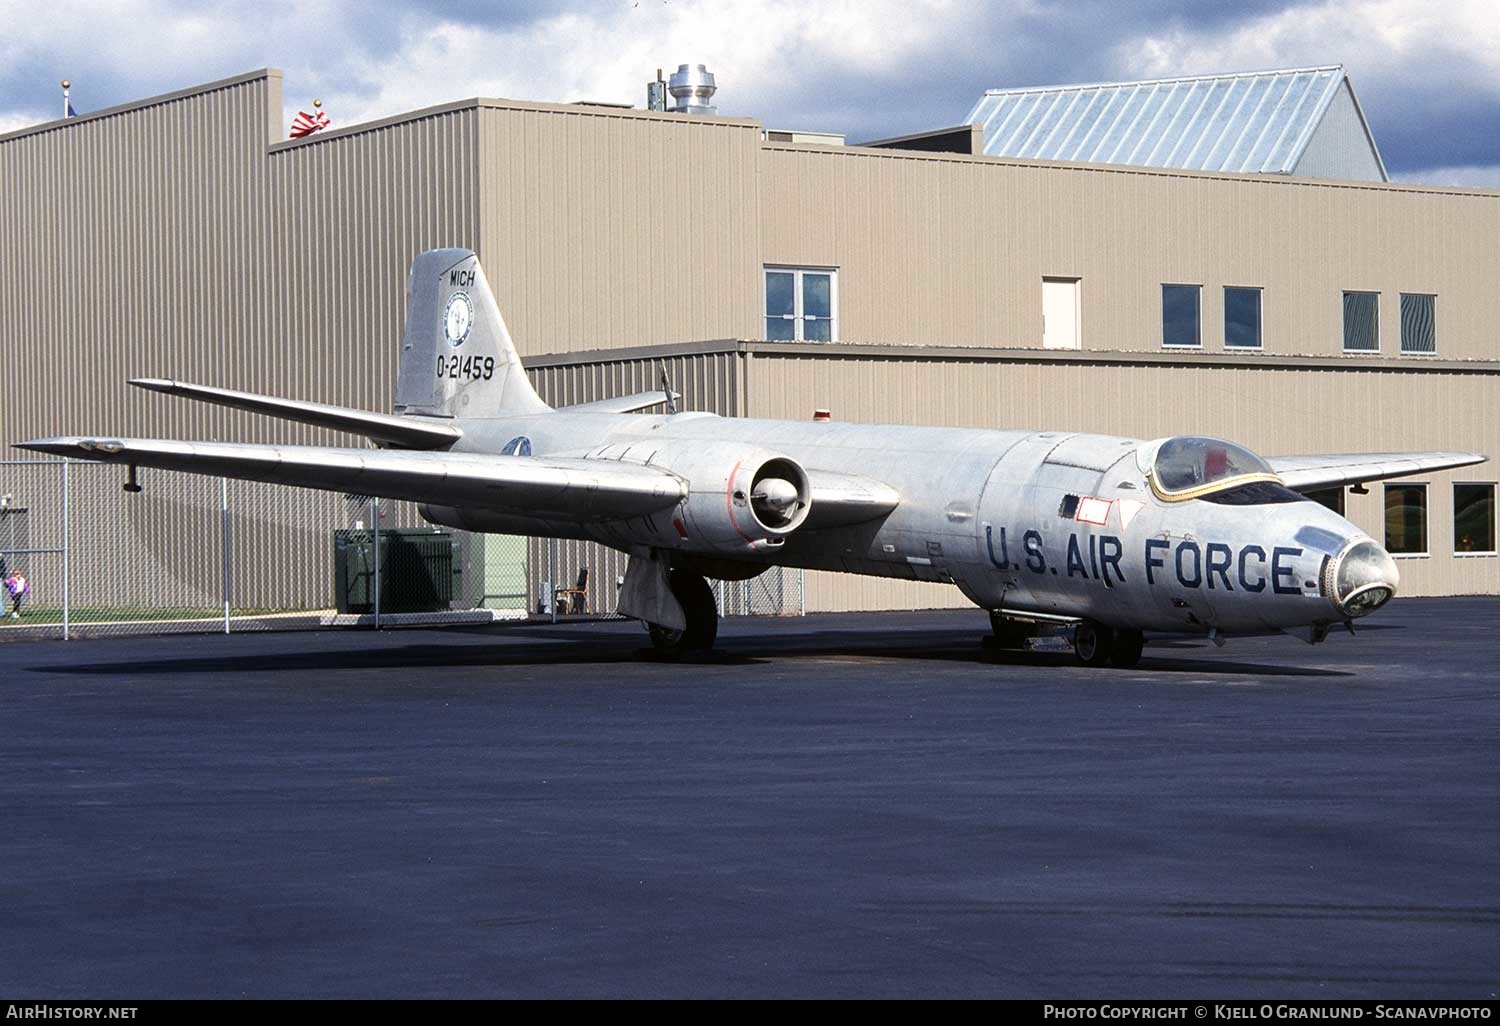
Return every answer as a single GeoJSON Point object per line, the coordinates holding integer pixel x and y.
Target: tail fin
{"type": "Point", "coordinates": [457, 359]}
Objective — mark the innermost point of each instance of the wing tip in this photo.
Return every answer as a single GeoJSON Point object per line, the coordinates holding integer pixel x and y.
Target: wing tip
{"type": "Point", "coordinates": [59, 446]}
{"type": "Point", "coordinates": [153, 384]}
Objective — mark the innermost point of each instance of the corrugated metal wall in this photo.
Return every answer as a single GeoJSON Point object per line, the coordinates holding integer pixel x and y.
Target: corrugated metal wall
{"type": "Point", "coordinates": [126, 243]}
{"type": "Point", "coordinates": [349, 214]}
{"type": "Point", "coordinates": [603, 229]}
{"type": "Point", "coordinates": [173, 238]}
{"type": "Point", "coordinates": [1276, 410]}
{"type": "Point", "coordinates": [1339, 146]}
{"type": "Point", "coordinates": [951, 250]}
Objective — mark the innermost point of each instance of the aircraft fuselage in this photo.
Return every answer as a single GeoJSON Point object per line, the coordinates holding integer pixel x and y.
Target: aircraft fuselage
{"type": "Point", "coordinates": [1055, 524]}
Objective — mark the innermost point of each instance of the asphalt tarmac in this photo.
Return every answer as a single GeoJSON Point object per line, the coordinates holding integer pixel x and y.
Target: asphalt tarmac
{"type": "Point", "coordinates": [856, 806]}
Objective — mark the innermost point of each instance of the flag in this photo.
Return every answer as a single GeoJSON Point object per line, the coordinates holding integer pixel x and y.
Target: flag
{"type": "Point", "coordinates": [306, 124]}
{"type": "Point", "coordinates": [69, 112]}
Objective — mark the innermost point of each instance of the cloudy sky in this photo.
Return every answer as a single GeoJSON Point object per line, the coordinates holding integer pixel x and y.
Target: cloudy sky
{"type": "Point", "coordinates": [1427, 71]}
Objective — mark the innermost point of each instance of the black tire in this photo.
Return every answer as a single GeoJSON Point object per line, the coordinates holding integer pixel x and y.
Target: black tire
{"type": "Point", "coordinates": [1007, 633]}
{"type": "Point", "coordinates": [1125, 652]}
{"type": "Point", "coordinates": [702, 630]}
{"type": "Point", "coordinates": [1092, 643]}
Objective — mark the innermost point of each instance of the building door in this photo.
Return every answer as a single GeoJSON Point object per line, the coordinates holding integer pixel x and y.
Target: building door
{"type": "Point", "coordinates": [1061, 314]}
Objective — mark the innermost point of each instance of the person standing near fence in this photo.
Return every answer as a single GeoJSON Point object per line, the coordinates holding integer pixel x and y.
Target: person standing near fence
{"type": "Point", "coordinates": [18, 588]}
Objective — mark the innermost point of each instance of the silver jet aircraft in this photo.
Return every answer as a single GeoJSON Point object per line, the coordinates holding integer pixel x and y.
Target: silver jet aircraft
{"type": "Point", "coordinates": [1102, 537]}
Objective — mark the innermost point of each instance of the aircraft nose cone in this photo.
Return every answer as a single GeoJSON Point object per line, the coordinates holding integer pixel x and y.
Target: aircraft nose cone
{"type": "Point", "coordinates": [1366, 579]}
{"type": "Point", "coordinates": [774, 493]}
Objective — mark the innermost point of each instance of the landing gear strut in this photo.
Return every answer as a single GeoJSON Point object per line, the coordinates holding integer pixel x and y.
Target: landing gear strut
{"type": "Point", "coordinates": [702, 629]}
{"type": "Point", "coordinates": [1097, 645]}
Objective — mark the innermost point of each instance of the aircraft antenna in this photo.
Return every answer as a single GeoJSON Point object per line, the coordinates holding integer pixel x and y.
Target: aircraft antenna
{"type": "Point", "coordinates": [666, 386]}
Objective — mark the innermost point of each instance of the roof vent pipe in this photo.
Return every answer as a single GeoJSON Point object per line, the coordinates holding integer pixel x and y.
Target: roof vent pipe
{"type": "Point", "coordinates": [692, 87]}
{"type": "Point", "coordinates": [656, 93]}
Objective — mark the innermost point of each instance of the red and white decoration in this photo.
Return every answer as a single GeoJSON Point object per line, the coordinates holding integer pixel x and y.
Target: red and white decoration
{"type": "Point", "coordinates": [306, 124]}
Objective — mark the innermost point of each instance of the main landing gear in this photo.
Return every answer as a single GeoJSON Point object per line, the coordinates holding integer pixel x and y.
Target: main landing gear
{"type": "Point", "coordinates": [1098, 645]}
{"type": "Point", "coordinates": [702, 629]}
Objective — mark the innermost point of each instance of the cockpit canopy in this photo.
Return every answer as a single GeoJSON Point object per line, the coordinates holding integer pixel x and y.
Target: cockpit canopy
{"type": "Point", "coordinates": [1192, 466]}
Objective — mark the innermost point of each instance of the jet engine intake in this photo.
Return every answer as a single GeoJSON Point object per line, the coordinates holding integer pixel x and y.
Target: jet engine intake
{"type": "Point", "coordinates": [780, 495]}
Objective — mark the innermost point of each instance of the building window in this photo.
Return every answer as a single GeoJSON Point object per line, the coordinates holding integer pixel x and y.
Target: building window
{"type": "Point", "coordinates": [1180, 321]}
{"type": "Point", "coordinates": [1474, 518]}
{"type": "Point", "coordinates": [801, 304]}
{"type": "Point", "coordinates": [1418, 324]}
{"type": "Point", "coordinates": [1241, 318]}
{"type": "Point", "coordinates": [1361, 322]}
{"type": "Point", "coordinates": [1333, 498]}
{"type": "Point", "coordinates": [1406, 519]}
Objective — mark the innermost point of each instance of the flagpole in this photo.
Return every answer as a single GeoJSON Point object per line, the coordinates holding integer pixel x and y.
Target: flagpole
{"type": "Point", "coordinates": [65, 97]}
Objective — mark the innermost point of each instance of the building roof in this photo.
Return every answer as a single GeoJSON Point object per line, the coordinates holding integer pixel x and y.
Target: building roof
{"type": "Point", "coordinates": [1258, 122]}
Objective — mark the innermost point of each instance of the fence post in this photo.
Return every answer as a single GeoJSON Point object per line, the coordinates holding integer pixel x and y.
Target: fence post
{"type": "Point", "coordinates": [66, 604]}
{"type": "Point", "coordinates": [801, 592]}
{"type": "Point", "coordinates": [224, 530]}
{"type": "Point", "coordinates": [551, 600]}
{"type": "Point", "coordinates": [375, 543]}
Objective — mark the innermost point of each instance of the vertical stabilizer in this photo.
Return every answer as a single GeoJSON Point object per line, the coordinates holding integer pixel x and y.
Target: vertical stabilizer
{"type": "Point", "coordinates": [457, 359]}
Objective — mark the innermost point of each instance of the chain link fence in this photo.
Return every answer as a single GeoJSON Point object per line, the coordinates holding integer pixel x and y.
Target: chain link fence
{"type": "Point", "coordinates": [175, 552]}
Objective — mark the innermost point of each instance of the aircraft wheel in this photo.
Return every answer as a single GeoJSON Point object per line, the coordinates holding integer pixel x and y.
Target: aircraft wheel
{"type": "Point", "coordinates": [1125, 652]}
{"type": "Point", "coordinates": [697, 600]}
{"type": "Point", "coordinates": [1007, 633]}
{"type": "Point", "coordinates": [1092, 643]}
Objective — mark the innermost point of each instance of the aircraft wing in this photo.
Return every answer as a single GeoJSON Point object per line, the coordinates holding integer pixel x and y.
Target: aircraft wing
{"type": "Point", "coordinates": [405, 432]}
{"type": "Point", "coordinates": [575, 490]}
{"type": "Point", "coordinates": [1309, 473]}
{"type": "Point", "coordinates": [623, 403]}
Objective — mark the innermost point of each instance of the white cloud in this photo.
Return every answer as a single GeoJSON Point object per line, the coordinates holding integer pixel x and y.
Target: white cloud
{"type": "Point", "coordinates": [12, 120]}
{"type": "Point", "coordinates": [1483, 176]}
{"type": "Point", "coordinates": [756, 50]}
{"type": "Point", "coordinates": [1377, 38]}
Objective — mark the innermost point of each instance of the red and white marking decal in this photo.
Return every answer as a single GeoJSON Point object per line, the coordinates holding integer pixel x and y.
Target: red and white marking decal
{"type": "Point", "coordinates": [729, 504]}
{"type": "Point", "coordinates": [1093, 511]}
{"type": "Point", "coordinates": [1128, 509]}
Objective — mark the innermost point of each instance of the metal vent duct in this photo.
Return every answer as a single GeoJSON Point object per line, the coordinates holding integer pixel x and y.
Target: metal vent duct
{"type": "Point", "coordinates": [692, 88]}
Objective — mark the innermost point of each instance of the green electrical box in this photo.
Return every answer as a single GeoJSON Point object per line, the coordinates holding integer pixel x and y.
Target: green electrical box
{"type": "Point", "coordinates": [419, 570]}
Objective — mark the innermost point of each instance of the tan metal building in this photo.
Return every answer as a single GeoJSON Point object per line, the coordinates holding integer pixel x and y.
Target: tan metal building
{"type": "Point", "coordinates": [182, 236]}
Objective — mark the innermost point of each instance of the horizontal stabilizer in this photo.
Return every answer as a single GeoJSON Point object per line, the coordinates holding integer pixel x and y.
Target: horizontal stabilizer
{"type": "Point", "coordinates": [576, 490]}
{"type": "Point", "coordinates": [1310, 473]}
{"type": "Point", "coordinates": [623, 404]}
{"type": "Point", "coordinates": [839, 499]}
{"type": "Point", "coordinates": [403, 432]}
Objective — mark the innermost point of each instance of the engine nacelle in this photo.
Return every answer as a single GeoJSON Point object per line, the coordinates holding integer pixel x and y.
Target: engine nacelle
{"type": "Point", "coordinates": [739, 500]}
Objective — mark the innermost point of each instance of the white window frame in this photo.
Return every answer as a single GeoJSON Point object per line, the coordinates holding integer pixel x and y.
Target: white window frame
{"type": "Point", "coordinates": [1260, 319]}
{"type": "Point", "coordinates": [1453, 519]}
{"type": "Point", "coordinates": [1161, 295]}
{"type": "Point", "coordinates": [798, 317]}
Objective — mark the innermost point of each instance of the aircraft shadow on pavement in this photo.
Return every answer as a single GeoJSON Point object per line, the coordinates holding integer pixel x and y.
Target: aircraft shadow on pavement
{"type": "Point", "coordinates": [585, 647]}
